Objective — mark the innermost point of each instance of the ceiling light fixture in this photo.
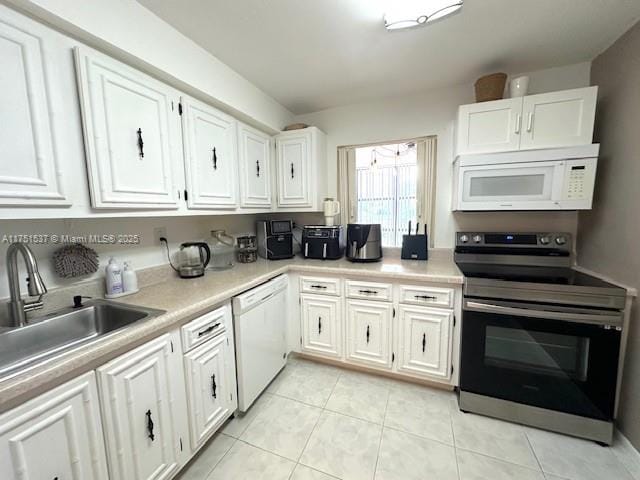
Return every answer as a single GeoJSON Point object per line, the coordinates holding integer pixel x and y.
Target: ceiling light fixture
{"type": "Point", "coordinates": [411, 13]}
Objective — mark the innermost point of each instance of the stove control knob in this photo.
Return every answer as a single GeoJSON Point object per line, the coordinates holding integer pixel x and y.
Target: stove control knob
{"type": "Point", "coordinates": [544, 240]}
{"type": "Point", "coordinates": [477, 238]}
{"type": "Point", "coordinates": [561, 240]}
{"type": "Point", "coordinates": [464, 238]}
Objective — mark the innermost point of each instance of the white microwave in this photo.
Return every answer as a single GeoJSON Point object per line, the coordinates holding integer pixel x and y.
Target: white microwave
{"type": "Point", "coordinates": [553, 179]}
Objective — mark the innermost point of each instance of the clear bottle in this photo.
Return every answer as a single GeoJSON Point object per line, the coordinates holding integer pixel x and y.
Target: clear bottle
{"type": "Point", "coordinates": [223, 250]}
{"type": "Point", "coordinates": [113, 277]}
{"type": "Point", "coordinates": [129, 278]}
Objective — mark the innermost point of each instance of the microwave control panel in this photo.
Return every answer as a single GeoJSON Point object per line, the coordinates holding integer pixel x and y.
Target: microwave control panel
{"type": "Point", "coordinates": [579, 179]}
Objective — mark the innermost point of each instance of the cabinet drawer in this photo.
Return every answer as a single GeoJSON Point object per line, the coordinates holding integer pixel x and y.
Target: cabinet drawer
{"type": "Point", "coordinates": [320, 285]}
{"type": "Point", "coordinates": [203, 328]}
{"type": "Point", "coordinates": [369, 290]}
{"type": "Point", "coordinates": [421, 295]}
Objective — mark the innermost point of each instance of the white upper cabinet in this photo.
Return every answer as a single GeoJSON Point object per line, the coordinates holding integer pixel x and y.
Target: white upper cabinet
{"type": "Point", "coordinates": [131, 133]}
{"type": "Point", "coordinates": [30, 172]}
{"type": "Point", "coordinates": [254, 153]}
{"type": "Point", "coordinates": [490, 126]}
{"type": "Point", "coordinates": [547, 120]}
{"type": "Point", "coordinates": [559, 119]}
{"type": "Point", "coordinates": [211, 156]}
{"type": "Point", "coordinates": [301, 176]}
{"type": "Point", "coordinates": [55, 436]}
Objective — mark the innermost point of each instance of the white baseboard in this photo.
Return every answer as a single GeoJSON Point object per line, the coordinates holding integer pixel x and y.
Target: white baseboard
{"type": "Point", "coordinates": [627, 454]}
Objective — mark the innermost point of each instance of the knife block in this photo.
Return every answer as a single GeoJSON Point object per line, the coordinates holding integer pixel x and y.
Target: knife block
{"type": "Point", "coordinates": [415, 247]}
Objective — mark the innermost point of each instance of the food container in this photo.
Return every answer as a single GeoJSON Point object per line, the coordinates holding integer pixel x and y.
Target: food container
{"type": "Point", "coordinates": [247, 249]}
{"type": "Point", "coordinates": [247, 255]}
{"type": "Point", "coordinates": [490, 87]}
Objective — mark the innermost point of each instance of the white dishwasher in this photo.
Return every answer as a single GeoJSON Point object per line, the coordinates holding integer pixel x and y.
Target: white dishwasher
{"type": "Point", "coordinates": [260, 322]}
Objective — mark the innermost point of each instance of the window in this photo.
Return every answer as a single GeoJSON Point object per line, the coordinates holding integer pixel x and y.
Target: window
{"type": "Point", "coordinates": [390, 184]}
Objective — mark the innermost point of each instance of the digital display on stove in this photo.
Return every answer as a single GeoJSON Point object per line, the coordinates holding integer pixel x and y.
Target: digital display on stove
{"type": "Point", "coordinates": [510, 239]}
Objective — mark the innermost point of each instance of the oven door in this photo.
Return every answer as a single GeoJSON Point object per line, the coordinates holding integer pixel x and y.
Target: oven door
{"type": "Point", "coordinates": [563, 359]}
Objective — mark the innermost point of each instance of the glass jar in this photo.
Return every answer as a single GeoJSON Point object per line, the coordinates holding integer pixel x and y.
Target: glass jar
{"type": "Point", "coordinates": [247, 249]}
{"type": "Point", "coordinates": [223, 250]}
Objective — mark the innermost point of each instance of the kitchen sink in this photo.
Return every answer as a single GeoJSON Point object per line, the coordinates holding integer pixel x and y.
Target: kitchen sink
{"type": "Point", "coordinates": [49, 336]}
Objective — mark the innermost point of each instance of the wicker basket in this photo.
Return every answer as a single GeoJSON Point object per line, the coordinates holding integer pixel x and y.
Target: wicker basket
{"type": "Point", "coordinates": [490, 87]}
{"type": "Point", "coordinates": [295, 126]}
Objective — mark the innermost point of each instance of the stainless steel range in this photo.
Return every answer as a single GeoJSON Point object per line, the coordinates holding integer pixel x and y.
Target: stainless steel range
{"type": "Point", "coordinates": [540, 340]}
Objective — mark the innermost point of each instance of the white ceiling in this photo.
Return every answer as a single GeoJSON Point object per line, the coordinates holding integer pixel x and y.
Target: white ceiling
{"type": "Point", "coordinates": [315, 54]}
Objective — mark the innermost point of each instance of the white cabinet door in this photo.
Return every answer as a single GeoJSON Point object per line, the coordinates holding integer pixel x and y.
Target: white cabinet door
{"type": "Point", "coordinates": [425, 336]}
{"type": "Point", "coordinates": [559, 119]}
{"type": "Point", "coordinates": [294, 169]}
{"type": "Point", "coordinates": [29, 171]}
{"type": "Point", "coordinates": [211, 157]}
{"type": "Point", "coordinates": [255, 167]}
{"type": "Point", "coordinates": [138, 393]}
{"type": "Point", "coordinates": [132, 137]}
{"type": "Point", "coordinates": [55, 436]}
{"type": "Point", "coordinates": [490, 126]}
{"type": "Point", "coordinates": [321, 325]}
{"type": "Point", "coordinates": [210, 391]}
{"type": "Point", "coordinates": [369, 326]}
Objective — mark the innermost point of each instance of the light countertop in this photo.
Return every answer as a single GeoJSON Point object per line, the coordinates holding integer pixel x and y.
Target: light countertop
{"type": "Point", "coordinates": [184, 300]}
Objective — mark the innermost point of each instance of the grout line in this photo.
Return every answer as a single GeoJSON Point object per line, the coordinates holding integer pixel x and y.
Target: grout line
{"type": "Point", "coordinates": [535, 455]}
{"type": "Point", "coordinates": [386, 407]}
{"type": "Point", "coordinates": [235, 440]}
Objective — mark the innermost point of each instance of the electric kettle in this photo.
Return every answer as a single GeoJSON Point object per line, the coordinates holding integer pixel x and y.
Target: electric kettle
{"type": "Point", "coordinates": [194, 258]}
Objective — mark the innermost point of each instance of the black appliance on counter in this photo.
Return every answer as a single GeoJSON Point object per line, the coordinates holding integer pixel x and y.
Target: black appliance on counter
{"type": "Point", "coordinates": [415, 246]}
{"type": "Point", "coordinates": [540, 339]}
{"type": "Point", "coordinates": [323, 242]}
{"type": "Point", "coordinates": [364, 242]}
{"type": "Point", "coordinates": [275, 239]}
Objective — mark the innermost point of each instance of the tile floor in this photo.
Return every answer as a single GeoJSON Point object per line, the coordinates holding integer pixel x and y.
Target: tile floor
{"type": "Point", "coordinates": [318, 422]}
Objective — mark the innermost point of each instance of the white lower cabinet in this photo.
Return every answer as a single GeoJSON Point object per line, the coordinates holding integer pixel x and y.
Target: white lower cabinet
{"type": "Point", "coordinates": [369, 327]}
{"type": "Point", "coordinates": [424, 337]}
{"type": "Point", "coordinates": [321, 325]}
{"type": "Point", "coordinates": [142, 397]}
{"type": "Point", "coordinates": [210, 389]}
{"type": "Point", "coordinates": [56, 436]}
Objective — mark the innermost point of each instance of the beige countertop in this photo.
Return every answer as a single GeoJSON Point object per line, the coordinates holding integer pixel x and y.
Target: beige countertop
{"type": "Point", "coordinates": [187, 299]}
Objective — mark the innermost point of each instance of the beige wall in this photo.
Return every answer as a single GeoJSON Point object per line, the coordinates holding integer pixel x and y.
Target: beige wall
{"type": "Point", "coordinates": [434, 113]}
{"type": "Point", "coordinates": [609, 235]}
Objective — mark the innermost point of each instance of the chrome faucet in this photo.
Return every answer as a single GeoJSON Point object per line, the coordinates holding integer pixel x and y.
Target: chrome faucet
{"type": "Point", "coordinates": [17, 307]}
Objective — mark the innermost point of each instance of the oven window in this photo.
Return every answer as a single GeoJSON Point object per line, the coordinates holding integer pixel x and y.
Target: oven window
{"type": "Point", "coordinates": [537, 352]}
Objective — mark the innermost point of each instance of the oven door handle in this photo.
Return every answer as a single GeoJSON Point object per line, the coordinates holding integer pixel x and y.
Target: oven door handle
{"type": "Point", "coordinates": [612, 320]}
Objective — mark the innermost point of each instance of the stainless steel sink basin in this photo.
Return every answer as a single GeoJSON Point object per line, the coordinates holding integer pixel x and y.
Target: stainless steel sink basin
{"type": "Point", "coordinates": [64, 330]}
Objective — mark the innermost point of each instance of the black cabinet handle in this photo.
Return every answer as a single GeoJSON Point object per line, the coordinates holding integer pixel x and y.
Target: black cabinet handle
{"type": "Point", "coordinates": [425, 297]}
{"type": "Point", "coordinates": [214, 387]}
{"type": "Point", "coordinates": [292, 171]}
{"type": "Point", "coordinates": [319, 325]}
{"type": "Point", "coordinates": [368, 292]}
{"type": "Point", "coordinates": [150, 426]}
{"type": "Point", "coordinates": [257, 168]}
{"type": "Point", "coordinates": [140, 143]}
{"type": "Point", "coordinates": [214, 158]}
{"type": "Point", "coordinates": [424, 342]}
{"type": "Point", "coordinates": [208, 329]}
{"type": "Point", "coordinates": [321, 287]}
{"type": "Point", "coordinates": [367, 333]}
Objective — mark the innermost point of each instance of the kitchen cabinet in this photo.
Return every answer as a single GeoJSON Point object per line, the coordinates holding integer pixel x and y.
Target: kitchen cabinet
{"type": "Point", "coordinates": [143, 404]}
{"type": "Point", "coordinates": [547, 120]}
{"type": "Point", "coordinates": [256, 171]}
{"type": "Point", "coordinates": [210, 387]}
{"type": "Point", "coordinates": [425, 336]}
{"type": "Point", "coordinates": [369, 327]}
{"type": "Point", "coordinates": [211, 156]}
{"type": "Point", "coordinates": [490, 126]}
{"type": "Point", "coordinates": [57, 435]}
{"type": "Point", "coordinates": [131, 132]}
{"type": "Point", "coordinates": [321, 325]}
{"type": "Point", "coordinates": [30, 171]}
{"type": "Point", "coordinates": [559, 119]}
{"type": "Point", "coordinates": [301, 170]}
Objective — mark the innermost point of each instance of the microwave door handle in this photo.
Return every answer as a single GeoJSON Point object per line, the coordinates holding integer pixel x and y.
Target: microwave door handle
{"type": "Point", "coordinates": [594, 319]}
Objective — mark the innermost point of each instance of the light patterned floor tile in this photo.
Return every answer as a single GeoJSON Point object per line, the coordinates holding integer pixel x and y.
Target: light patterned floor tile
{"type": "Point", "coordinates": [208, 457]}
{"type": "Point", "coordinates": [305, 473]}
{"type": "Point", "coordinates": [239, 423]}
{"type": "Point", "coordinates": [310, 385]}
{"type": "Point", "coordinates": [359, 397]}
{"type": "Point", "coordinates": [344, 447]}
{"type": "Point", "coordinates": [408, 457]}
{"type": "Point", "coordinates": [245, 462]}
{"type": "Point", "coordinates": [282, 427]}
{"type": "Point", "coordinates": [473, 466]}
{"type": "Point", "coordinates": [574, 458]}
{"type": "Point", "coordinates": [420, 411]}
